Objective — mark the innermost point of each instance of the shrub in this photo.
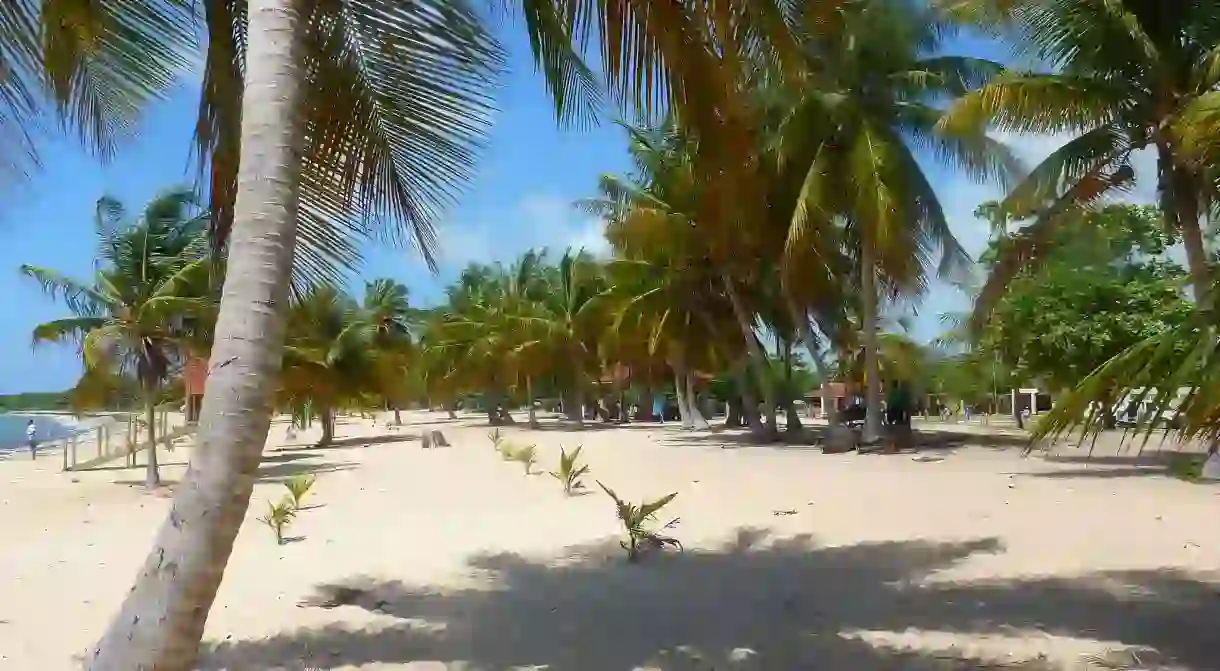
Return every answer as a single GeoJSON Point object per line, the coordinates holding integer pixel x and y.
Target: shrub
{"type": "Point", "coordinates": [526, 456]}
{"type": "Point", "coordinates": [278, 517]}
{"type": "Point", "coordinates": [298, 486]}
{"type": "Point", "coordinates": [570, 471]}
{"type": "Point", "coordinates": [640, 538]}
{"type": "Point", "coordinates": [495, 438]}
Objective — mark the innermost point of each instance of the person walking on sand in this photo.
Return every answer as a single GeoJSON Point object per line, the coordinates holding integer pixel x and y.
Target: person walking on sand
{"type": "Point", "coordinates": [31, 438]}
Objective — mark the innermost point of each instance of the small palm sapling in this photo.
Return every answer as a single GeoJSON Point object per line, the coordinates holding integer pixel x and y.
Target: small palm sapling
{"type": "Point", "coordinates": [570, 471]}
{"type": "Point", "coordinates": [640, 538]}
{"type": "Point", "coordinates": [298, 487]}
{"type": "Point", "coordinates": [278, 517]}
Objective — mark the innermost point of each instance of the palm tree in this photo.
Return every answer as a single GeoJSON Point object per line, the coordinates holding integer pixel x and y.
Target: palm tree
{"type": "Point", "coordinates": [429, 59]}
{"type": "Point", "coordinates": [1127, 76]}
{"type": "Point", "coordinates": [876, 81]}
{"type": "Point", "coordinates": [388, 308]}
{"type": "Point", "coordinates": [333, 355]}
{"type": "Point", "coordinates": [559, 319]}
{"type": "Point", "coordinates": [96, 66]}
{"type": "Point", "coordinates": [148, 307]}
{"type": "Point", "coordinates": [666, 203]}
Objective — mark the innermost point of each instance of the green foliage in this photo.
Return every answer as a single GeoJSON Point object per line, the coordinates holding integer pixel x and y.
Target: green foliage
{"type": "Point", "coordinates": [153, 299]}
{"type": "Point", "coordinates": [298, 486]}
{"type": "Point", "coordinates": [635, 520]}
{"type": "Point", "coordinates": [507, 450]}
{"type": "Point", "coordinates": [35, 400]}
{"type": "Point", "coordinates": [278, 517]}
{"type": "Point", "coordinates": [1104, 289]}
{"type": "Point", "coordinates": [571, 471]}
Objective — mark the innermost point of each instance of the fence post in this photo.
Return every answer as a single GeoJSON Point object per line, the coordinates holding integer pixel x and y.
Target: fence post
{"type": "Point", "coordinates": [65, 456]}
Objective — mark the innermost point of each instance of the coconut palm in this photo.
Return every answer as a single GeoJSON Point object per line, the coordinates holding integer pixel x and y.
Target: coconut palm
{"type": "Point", "coordinates": [666, 203]}
{"type": "Point", "coordinates": [149, 305]}
{"type": "Point", "coordinates": [559, 324]}
{"type": "Point", "coordinates": [333, 355]}
{"type": "Point", "coordinates": [1125, 76]}
{"type": "Point", "coordinates": [423, 63]}
{"type": "Point", "coordinates": [95, 66]}
{"type": "Point", "coordinates": [873, 102]}
{"type": "Point", "coordinates": [387, 307]}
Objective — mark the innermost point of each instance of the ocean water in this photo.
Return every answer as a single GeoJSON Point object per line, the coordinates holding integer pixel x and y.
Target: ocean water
{"type": "Point", "coordinates": [12, 430]}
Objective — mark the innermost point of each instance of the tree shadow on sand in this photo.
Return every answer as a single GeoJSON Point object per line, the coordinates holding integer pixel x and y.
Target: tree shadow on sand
{"type": "Point", "coordinates": [786, 604]}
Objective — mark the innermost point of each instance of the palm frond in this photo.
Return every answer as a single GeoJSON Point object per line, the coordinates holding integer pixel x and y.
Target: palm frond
{"type": "Point", "coordinates": [80, 299]}
{"type": "Point", "coordinates": [397, 105]}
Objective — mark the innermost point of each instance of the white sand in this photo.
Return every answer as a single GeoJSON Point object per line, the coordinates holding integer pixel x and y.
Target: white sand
{"type": "Point", "coordinates": [887, 562]}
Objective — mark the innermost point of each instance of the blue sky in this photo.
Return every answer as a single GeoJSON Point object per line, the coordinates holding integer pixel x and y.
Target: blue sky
{"type": "Point", "coordinates": [520, 199]}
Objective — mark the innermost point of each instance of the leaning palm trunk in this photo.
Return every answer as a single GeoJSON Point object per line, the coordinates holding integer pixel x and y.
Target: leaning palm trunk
{"type": "Point", "coordinates": [758, 358]}
{"type": "Point", "coordinates": [327, 417]}
{"type": "Point", "coordinates": [872, 367]}
{"type": "Point", "coordinates": [152, 477]}
{"type": "Point", "coordinates": [749, 404]}
{"type": "Point", "coordinates": [162, 618]}
{"type": "Point", "coordinates": [837, 436]}
{"type": "Point", "coordinates": [1180, 201]}
{"type": "Point", "coordinates": [680, 394]}
{"type": "Point", "coordinates": [697, 420]}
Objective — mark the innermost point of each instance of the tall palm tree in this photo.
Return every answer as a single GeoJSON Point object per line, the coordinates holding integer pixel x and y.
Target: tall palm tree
{"type": "Point", "coordinates": [432, 59]}
{"type": "Point", "coordinates": [148, 307]}
{"type": "Point", "coordinates": [873, 99]}
{"type": "Point", "coordinates": [560, 318]}
{"type": "Point", "coordinates": [333, 355]}
{"type": "Point", "coordinates": [1125, 76]}
{"type": "Point", "coordinates": [667, 202]}
{"type": "Point", "coordinates": [387, 307]}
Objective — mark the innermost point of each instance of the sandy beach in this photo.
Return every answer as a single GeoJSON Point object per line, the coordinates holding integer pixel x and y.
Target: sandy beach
{"type": "Point", "coordinates": [793, 559]}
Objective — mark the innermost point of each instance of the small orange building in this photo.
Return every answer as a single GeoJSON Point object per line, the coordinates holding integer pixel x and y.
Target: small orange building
{"type": "Point", "coordinates": [194, 379]}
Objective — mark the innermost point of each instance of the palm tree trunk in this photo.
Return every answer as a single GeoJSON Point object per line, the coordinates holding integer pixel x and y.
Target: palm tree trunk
{"type": "Point", "coordinates": [327, 417]}
{"type": "Point", "coordinates": [758, 358]}
{"type": "Point", "coordinates": [837, 436]}
{"type": "Point", "coordinates": [749, 404]}
{"type": "Point", "coordinates": [732, 418]}
{"type": "Point", "coordinates": [697, 420]}
{"type": "Point", "coordinates": [152, 477]}
{"type": "Point", "coordinates": [162, 618]}
{"type": "Point", "coordinates": [529, 399]}
{"type": "Point", "coordinates": [1179, 196]}
{"type": "Point", "coordinates": [578, 392]}
{"type": "Point", "coordinates": [872, 367]}
{"type": "Point", "coordinates": [680, 393]}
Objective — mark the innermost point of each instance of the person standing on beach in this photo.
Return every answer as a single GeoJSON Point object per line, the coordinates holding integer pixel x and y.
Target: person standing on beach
{"type": "Point", "coordinates": [31, 438]}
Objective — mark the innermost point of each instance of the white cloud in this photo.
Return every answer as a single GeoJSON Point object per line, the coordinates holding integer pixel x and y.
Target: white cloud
{"type": "Point", "coordinates": [537, 221]}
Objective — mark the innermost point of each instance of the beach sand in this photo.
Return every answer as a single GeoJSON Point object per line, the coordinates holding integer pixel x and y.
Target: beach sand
{"type": "Point", "coordinates": [793, 559]}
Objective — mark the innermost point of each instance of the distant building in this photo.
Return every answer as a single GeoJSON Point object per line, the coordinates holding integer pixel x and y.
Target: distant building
{"type": "Point", "coordinates": [194, 379]}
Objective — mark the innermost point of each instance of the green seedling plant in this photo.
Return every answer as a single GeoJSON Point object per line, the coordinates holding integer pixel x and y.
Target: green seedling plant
{"type": "Point", "coordinates": [635, 520]}
{"type": "Point", "coordinates": [507, 450]}
{"type": "Point", "coordinates": [298, 487]}
{"type": "Point", "coordinates": [571, 471]}
{"type": "Point", "coordinates": [526, 456]}
{"type": "Point", "coordinates": [278, 517]}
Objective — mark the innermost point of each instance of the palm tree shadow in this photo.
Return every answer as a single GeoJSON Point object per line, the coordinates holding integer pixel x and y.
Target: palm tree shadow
{"type": "Point", "coordinates": [788, 602]}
